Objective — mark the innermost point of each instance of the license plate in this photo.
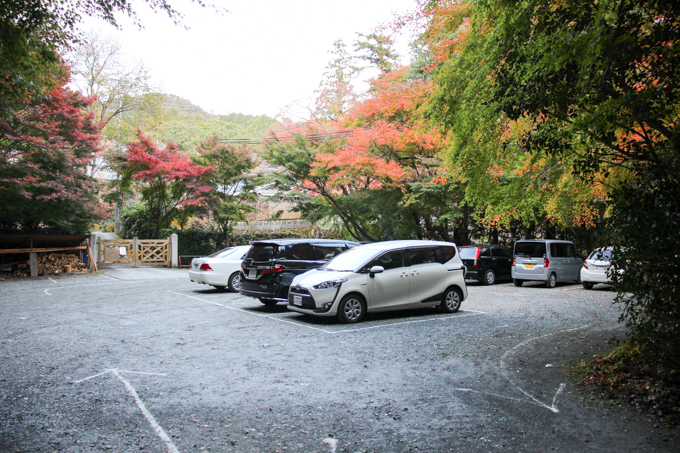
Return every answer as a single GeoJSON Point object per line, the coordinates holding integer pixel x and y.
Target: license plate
{"type": "Point", "coordinates": [297, 300]}
{"type": "Point", "coordinates": [252, 273]}
{"type": "Point", "coordinates": [528, 266]}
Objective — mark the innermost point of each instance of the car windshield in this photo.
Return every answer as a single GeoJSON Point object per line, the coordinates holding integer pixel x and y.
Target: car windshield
{"type": "Point", "coordinates": [350, 261]}
{"type": "Point", "coordinates": [468, 253]}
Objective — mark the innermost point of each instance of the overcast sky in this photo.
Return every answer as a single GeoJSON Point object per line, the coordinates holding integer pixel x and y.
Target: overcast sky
{"type": "Point", "coordinates": [258, 58]}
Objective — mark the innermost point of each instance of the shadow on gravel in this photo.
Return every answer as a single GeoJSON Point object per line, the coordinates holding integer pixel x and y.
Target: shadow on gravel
{"type": "Point", "coordinates": [401, 315]}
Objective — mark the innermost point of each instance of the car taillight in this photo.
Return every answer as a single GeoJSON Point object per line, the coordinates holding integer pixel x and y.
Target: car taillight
{"type": "Point", "coordinates": [513, 261]}
{"type": "Point", "coordinates": [206, 267]}
{"type": "Point", "coordinates": [273, 270]}
{"type": "Point", "coordinates": [585, 265]}
{"type": "Point", "coordinates": [477, 256]}
{"type": "Point", "coordinates": [546, 262]}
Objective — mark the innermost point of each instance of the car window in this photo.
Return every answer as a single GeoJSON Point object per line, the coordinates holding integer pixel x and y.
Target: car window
{"type": "Point", "coordinates": [485, 253]}
{"type": "Point", "coordinates": [422, 256]}
{"type": "Point", "coordinates": [603, 255]}
{"type": "Point", "coordinates": [555, 251]}
{"type": "Point", "coordinates": [467, 253]}
{"type": "Point", "coordinates": [329, 251]}
{"type": "Point", "coordinates": [222, 253]}
{"type": "Point", "coordinates": [530, 249]}
{"type": "Point", "coordinates": [390, 260]}
{"type": "Point", "coordinates": [447, 253]}
{"type": "Point", "coordinates": [301, 251]}
{"type": "Point", "coordinates": [561, 250]}
{"type": "Point", "coordinates": [502, 252]}
{"type": "Point", "coordinates": [263, 252]}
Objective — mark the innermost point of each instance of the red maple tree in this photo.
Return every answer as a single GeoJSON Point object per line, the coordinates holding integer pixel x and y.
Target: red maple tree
{"type": "Point", "coordinates": [171, 184]}
{"type": "Point", "coordinates": [45, 150]}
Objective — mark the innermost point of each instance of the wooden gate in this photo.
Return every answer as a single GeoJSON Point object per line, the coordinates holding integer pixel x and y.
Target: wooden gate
{"type": "Point", "coordinates": [133, 252]}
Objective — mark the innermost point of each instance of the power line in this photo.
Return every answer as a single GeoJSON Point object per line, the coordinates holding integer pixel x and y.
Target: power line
{"type": "Point", "coordinates": [311, 137]}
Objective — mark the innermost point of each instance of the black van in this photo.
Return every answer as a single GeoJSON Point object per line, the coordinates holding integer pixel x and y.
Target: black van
{"type": "Point", "coordinates": [487, 263]}
{"type": "Point", "coordinates": [270, 266]}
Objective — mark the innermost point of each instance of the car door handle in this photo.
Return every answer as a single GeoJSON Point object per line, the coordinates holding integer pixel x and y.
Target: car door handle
{"type": "Point", "coordinates": [404, 275]}
{"type": "Point", "coordinates": [415, 273]}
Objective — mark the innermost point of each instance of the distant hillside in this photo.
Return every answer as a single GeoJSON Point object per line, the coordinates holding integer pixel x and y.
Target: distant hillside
{"type": "Point", "coordinates": [183, 107]}
{"type": "Point", "coordinates": [187, 124]}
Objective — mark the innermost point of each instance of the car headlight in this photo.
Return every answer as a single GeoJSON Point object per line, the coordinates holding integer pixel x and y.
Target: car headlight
{"type": "Point", "coordinates": [330, 284]}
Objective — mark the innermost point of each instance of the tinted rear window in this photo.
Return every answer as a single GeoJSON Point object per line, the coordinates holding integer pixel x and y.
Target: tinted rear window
{"type": "Point", "coordinates": [530, 249]}
{"type": "Point", "coordinates": [263, 252]}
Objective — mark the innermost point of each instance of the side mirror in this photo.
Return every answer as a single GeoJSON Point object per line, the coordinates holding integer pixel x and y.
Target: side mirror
{"type": "Point", "coordinates": [375, 270]}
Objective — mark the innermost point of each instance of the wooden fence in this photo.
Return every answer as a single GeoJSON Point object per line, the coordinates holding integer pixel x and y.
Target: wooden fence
{"type": "Point", "coordinates": [134, 252]}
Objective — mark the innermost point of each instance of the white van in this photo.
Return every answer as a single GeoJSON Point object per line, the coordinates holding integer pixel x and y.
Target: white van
{"type": "Point", "coordinates": [549, 261]}
{"type": "Point", "coordinates": [382, 276]}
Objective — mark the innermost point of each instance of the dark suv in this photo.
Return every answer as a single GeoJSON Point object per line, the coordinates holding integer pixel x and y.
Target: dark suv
{"type": "Point", "coordinates": [270, 266]}
{"type": "Point", "coordinates": [487, 263]}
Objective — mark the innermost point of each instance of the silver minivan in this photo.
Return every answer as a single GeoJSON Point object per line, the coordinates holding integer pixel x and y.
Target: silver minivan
{"type": "Point", "coordinates": [548, 261]}
{"type": "Point", "coordinates": [382, 276]}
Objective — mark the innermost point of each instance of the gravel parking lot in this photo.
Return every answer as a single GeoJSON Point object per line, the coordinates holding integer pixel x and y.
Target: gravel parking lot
{"type": "Point", "coordinates": [144, 360]}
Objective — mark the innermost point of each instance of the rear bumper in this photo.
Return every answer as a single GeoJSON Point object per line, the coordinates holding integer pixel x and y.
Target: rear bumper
{"type": "Point", "coordinates": [594, 277]}
{"type": "Point", "coordinates": [206, 278]}
{"type": "Point", "coordinates": [540, 276]}
{"type": "Point", "coordinates": [252, 288]}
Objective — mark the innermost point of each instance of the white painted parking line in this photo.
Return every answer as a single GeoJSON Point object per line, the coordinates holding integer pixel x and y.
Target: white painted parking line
{"type": "Point", "coordinates": [504, 370]}
{"type": "Point", "coordinates": [160, 432]}
{"type": "Point", "coordinates": [280, 317]}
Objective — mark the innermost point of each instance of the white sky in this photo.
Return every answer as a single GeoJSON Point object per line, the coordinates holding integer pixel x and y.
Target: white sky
{"type": "Point", "coordinates": [258, 58]}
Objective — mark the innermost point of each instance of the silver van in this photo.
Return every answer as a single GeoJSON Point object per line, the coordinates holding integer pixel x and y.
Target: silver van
{"type": "Point", "coordinates": [548, 261]}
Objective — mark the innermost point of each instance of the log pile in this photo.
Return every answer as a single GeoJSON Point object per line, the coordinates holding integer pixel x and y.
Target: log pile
{"type": "Point", "coordinates": [52, 263]}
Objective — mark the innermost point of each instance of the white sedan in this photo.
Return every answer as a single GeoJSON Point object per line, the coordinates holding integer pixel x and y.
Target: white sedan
{"type": "Point", "coordinates": [221, 269]}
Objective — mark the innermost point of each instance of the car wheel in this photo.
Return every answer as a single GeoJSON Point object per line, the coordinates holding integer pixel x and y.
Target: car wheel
{"type": "Point", "coordinates": [489, 277]}
{"type": "Point", "coordinates": [517, 282]}
{"type": "Point", "coordinates": [351, 309]}
{"type": "Point", "coordinates": [235, 282]}
{"type": "Point", "coordinates": [268, 302]}
{"type": "Point", "coordinates": [588, 285]}
{"type": "Point", "coordinates": [451, 300]}
{"type": "Point", "coordinates": [552, 281]}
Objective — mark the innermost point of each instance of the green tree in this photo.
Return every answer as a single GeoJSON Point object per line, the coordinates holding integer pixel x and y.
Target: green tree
{"type": "Point", "coordinates": [336, 93]}
{"type": "Point", "coordinates": [597, 85]}
{"type": "Point", "coordinates": [232, 181]}
{"type": "Point", "coordinates": [34, 32]}
{"type": "Point", "coordinates": [377, 50]}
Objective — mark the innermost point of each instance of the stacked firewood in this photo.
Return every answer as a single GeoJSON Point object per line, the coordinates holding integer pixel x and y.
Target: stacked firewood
{"type": "Point", "coordinates": [52, 263]}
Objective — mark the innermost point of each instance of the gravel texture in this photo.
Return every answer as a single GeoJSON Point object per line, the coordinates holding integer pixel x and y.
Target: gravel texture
{"type": "Point", "coordinates": [136, 360]}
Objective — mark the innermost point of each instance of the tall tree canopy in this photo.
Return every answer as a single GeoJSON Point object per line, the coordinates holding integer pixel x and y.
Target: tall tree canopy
{"type": "Point", "coordinates": [593, 87]}
{"type": "Point", "coordinates": [33, 33]}
{"type": "Point", "coordinates": [44, 153]}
